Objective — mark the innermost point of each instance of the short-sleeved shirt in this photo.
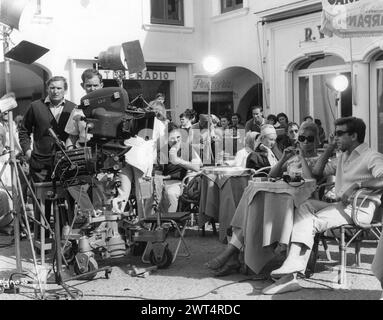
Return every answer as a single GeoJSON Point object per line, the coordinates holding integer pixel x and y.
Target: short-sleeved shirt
{"type": "Point", "coordinates": [77, 127]}
{"type": "Point", "coordinates": [361, 164]}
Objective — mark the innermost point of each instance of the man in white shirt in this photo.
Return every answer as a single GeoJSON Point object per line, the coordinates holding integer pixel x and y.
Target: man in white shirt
{"type": "Point", "coordinates": [76, 128]}
{"type": "Point", "coordinates": [357, 167]}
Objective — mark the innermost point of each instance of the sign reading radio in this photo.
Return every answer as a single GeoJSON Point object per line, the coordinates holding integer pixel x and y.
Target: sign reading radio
{"type": "Point", "coordinates": [146, 75]}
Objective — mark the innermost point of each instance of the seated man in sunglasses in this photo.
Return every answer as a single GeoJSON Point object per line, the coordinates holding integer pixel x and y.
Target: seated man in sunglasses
{"type": "Point", "coordinates": [357, 167]}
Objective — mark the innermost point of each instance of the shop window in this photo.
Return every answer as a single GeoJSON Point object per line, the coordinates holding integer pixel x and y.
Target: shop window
{"type": "Point", "coordinates": [221, 103]}
{"type": "Point", "coordinates": [230, 5]}
{"type": "Point", "coordinates": [167, 12]}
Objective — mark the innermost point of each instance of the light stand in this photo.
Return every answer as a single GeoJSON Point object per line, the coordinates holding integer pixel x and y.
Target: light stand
{"type": "Point", "coordinates": [16, 185]}
{"type": "Point", "coordinates": [339, 83]}
{"type": "Point", "coordinates": [211, 66]}
{"type": "Point", "coordinates": [12, 159]}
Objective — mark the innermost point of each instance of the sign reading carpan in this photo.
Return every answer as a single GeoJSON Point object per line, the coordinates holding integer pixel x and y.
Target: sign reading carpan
{"type": "Point", "coordinates": [352, 18]}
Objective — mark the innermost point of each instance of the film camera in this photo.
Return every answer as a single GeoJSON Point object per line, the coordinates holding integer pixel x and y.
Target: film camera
{"type": "Point", "coordinates": [109, 115]}
{"type": "Point", "coordinates": [103, 232]}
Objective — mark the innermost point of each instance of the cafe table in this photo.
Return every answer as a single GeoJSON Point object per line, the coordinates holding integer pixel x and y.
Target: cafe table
{"type": "Point", "coordinates": [265, 216]}
{"type": "Point", "coordinates": [221, 190]}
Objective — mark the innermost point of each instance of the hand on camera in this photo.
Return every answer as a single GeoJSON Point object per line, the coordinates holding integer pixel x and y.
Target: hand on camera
{"type": "Point", "coordinates": [28, 154]}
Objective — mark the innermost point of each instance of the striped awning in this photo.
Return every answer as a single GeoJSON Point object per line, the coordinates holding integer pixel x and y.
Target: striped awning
{"type": "Point", "coordinates": [352, 18]}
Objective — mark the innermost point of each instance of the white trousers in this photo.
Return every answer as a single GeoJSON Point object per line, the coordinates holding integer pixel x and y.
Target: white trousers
{"type": "Point", "coordinates": [315, 216]}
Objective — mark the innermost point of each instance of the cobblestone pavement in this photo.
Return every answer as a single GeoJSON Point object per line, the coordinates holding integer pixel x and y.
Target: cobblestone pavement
{"type": "Point", "coordinates": [187, 278]}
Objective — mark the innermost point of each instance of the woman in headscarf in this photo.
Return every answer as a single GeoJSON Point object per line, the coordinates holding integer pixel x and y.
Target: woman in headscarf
{"type": "Point", "coordinates": [263, 156]}
{"type": "Point", "coordinates": [241, 156]}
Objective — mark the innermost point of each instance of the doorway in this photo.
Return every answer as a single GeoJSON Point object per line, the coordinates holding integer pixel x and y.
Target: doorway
{"type": "Point", "coordinates": [313, 94]}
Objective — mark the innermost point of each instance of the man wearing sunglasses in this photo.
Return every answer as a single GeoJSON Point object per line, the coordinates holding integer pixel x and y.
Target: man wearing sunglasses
{"type": "Point", "coordinates": [357, 167]}
{"type": "Point", "coordinates": [289, 139]}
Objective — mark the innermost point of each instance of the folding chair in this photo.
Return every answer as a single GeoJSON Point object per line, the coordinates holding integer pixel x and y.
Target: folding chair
{"type": "Point", "coordinates": [357, 233]}
{"type": "Point", "coordinates": [177, 220]}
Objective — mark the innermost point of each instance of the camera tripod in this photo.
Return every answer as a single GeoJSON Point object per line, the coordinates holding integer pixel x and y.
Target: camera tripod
{"type": "Point", "coordinates": [17, 194]}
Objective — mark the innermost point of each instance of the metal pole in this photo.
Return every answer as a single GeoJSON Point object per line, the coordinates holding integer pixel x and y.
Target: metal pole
{"type": "Point", "coordinates": [209, 118]}
{"type": "Point", "coordinates": [12, 158]}
{"type": "Point", "coordinates": [352, 75]}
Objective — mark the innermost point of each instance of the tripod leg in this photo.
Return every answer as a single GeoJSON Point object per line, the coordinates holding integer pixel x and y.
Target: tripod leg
{"type": "Point", "coordinates": [28, 228]}
{"type": "Point", "coordinates": [36, 201]}
{"type": "Point", "coordinates": [57, 241]}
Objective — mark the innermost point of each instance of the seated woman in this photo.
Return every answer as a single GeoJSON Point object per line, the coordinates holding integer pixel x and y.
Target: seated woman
{"type": "Point", "coordinates": [263, 156]}
{"type": "Point", "coordinates": [304, 158]}
{"type": "Point", "coordinates": [241, 156]}
{"type": "Point", "coordinates": [177, 167]}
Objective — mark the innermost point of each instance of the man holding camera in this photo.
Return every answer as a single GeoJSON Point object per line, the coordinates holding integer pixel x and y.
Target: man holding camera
{"type": "Point", "coordinates": [78, 136]}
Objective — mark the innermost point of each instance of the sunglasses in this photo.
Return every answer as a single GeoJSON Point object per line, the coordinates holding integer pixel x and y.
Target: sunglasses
{"type": "Point", "coordinates": [293, 131]}
{"type": "Point", "coordinates": [304, 138]}
{"type": "Point", "coordinates": [339, 133]}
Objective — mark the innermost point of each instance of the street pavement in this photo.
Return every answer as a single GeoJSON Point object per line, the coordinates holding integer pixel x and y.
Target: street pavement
{"type": "Point", "coordinates": [189, 279]}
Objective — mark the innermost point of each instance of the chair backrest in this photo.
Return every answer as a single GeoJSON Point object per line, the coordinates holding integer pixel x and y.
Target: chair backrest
{"type": "Point", "coordinates": [359, 198]}
{"type": "Point", "coordinates": [191, 188]}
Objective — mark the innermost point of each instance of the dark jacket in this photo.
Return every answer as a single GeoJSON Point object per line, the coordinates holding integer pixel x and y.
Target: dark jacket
{"type": "Point", "coordinates": [37, 120]}
{"type": "Point", "coordinates": [257, 160]}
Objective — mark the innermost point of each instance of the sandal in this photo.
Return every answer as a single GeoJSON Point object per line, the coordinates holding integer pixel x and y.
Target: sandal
{"type": "Point", "coordinates": [228, 269]}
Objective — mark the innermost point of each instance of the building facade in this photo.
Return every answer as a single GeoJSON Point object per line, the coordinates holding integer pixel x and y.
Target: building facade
{"type": "Point", "coordinates": [272, 54]}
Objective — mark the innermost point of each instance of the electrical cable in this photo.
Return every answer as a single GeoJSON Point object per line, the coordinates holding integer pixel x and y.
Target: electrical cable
{"type": "Point", "coordinates": [187, 298]}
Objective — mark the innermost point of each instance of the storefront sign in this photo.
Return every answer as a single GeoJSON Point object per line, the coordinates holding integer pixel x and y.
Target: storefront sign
{"type": "Point", "coordinates": [352, 18]}
{"type": "Point", "coordinates": [202, 84]}
{"type": "Point", "coordinates": [146, 75]}
{"type": "Point", "coordinates": [312, 34]}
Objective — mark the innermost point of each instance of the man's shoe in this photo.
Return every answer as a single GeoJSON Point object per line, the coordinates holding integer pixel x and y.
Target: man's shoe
{"type": "Point", "coordinates": [228, 269]}
{"type": "Point", "coordinates": [285, 284]}
{"type": "Point", "coordinates": [286, 270]}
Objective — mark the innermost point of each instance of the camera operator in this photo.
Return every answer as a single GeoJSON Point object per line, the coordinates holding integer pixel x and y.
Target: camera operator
{"type": "Point", "coordinates": [44, 114]}
{"type": "Point", "coordinates": [76, 128]}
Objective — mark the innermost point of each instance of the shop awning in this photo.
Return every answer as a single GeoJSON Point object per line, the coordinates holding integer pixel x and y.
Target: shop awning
{"type": "Point", "coordinates": [348, 19]}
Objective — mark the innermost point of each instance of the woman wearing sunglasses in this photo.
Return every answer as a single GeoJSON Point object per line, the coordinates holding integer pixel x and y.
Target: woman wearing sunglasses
{"type": "Point", "coordinates": [302, 158]}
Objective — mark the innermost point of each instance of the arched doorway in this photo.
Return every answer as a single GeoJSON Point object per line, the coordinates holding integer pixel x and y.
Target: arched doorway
{"type": "Point", "coordinates": [27, 82]}
{"type": "Point", "coordinates": [253, 97]}
{"type": "Point", "coordinates": [234, 89]}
